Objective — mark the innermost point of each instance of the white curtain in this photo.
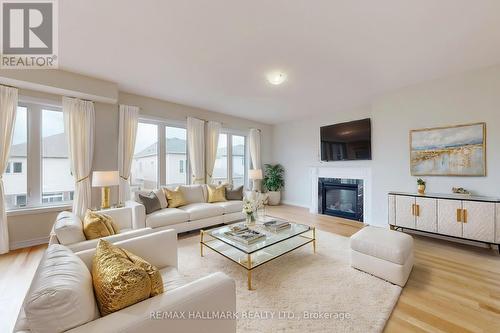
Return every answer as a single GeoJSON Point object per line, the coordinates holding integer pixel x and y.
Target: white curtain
{"type": "Point", "coordinates": [196, 148]}
{"type": "Point", "coordinates": [126, 143]}
{"type": "Point", "coordinates": [79, 123]}
{"type": "Point", "coordinates": [254, 145]}
{"type": "Point", "coordinates": [8, 107]}
{"type": "Point", "coordinates": [213, 131]}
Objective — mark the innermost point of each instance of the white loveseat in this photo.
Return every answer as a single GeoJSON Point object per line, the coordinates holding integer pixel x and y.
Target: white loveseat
{"type": "Point", "coordinates": [68, 229]}
{"type": "Point", "coordinates": [197, 214]}
{"type": "Point", "coordinates": [51, 302]}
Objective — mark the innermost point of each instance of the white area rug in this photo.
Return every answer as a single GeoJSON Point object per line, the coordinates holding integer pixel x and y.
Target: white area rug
{"type": "Point", "coordinates": [300, 281]}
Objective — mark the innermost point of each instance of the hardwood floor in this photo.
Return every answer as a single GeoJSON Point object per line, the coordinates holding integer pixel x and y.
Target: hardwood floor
{"type": "Point", "coordinates": [452, 288]}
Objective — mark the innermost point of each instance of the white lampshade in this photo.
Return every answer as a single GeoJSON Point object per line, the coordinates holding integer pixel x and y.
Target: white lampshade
{"type": "Point", "coordinates": [105, 178]}
{"type": "Point", "coordinates": [255, 174]}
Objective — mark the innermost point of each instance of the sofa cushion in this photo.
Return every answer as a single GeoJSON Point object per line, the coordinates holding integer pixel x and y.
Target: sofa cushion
{"type": "Point", "coordinates": [231, 206]}
{"type": "Point", "coordinates": [383, 243]}
{"type": "Point", "coordinates": [61, 296]}
{"type": "Point", "coordinates": [198, 211]}
{"type": "Point", "coordinates": [167, 216]}
{"type": "Point", "coordinates": [192, 193]}
{"type": "Point", "coordinates": [68, 228]}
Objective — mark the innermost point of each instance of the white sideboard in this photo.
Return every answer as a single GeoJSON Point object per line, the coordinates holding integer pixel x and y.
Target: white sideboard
{"type": "Point", "coordinates": [467, 217]}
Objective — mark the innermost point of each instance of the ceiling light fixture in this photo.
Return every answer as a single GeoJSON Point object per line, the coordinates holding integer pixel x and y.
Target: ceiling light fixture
{"type": "Point", "coordinates": [276, 78]}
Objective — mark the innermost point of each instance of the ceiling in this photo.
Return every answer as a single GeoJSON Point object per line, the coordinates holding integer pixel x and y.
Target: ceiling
{"type": "Point", "coordinates": [215, 54]}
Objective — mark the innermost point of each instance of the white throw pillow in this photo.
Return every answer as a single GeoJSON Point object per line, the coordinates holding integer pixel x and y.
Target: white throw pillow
{"type": "Point", "coordinates": [192, 193]}
{"type": "Point", "coordinates": [61, 295]}
{"type": "Point", "coordinates": [161, 197]}
{"type": "Point", "coordinates": [68, 228]}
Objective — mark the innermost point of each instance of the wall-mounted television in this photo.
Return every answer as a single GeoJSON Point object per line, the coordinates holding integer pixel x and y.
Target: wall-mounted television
{"type": "Point", "coordinates": [347, 141]}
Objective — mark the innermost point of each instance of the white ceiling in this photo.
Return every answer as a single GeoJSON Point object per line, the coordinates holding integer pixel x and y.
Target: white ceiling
{"type": "Point", "coordinates": [214, 54]}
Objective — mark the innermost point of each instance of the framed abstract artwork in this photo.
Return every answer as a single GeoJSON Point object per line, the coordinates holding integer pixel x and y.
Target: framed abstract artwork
{"type": "Point", "coordinates": [449, 151]}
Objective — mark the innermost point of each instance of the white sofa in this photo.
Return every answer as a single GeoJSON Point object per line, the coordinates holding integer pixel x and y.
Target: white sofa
{"type": "Point", "coordinates": [68, 229]}
{"type": "Point", "coordinates": [197, 214]}
{"type": "Point", "coordinates": [215, 293]}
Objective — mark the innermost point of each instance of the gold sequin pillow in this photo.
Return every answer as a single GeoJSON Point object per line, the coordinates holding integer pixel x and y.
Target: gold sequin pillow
{"type": "Point", "coordinates": [216, 194]}
{"type": "Point", "coordinates": [175, 198]}
{"type": "Point", "coordinates": [97, 225]}
{"type": "Point", "coordinates": [121, 278]}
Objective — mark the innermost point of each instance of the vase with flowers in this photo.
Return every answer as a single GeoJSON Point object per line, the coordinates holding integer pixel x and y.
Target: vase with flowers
{"type": "Point", "coordinates": [249, 209]}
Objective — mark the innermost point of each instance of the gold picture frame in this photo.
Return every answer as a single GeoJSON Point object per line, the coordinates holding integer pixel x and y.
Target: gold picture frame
{"type": "Point", "coordinates": [458, 150]}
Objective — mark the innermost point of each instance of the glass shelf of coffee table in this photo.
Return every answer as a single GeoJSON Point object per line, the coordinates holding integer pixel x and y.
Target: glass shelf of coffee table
{"type": "Point", "coordinates": [251, 256]}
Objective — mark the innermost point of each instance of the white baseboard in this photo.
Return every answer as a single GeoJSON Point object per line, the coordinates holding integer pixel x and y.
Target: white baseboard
{"type": "Point", "coordinates": [29, 243]}
{"type": "Point", "coordinates": [291, 203]}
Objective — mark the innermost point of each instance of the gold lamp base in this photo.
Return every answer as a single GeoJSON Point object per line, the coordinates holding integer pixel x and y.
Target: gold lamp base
{"type": "Point", "coordinates": [105, 193]}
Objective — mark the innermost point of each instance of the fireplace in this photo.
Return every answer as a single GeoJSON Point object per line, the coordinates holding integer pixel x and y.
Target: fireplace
{"type": "Point", "coordinates": [341, 198]}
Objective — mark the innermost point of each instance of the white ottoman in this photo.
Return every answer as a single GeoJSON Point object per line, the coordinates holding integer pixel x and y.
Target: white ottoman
{"type": "Point", "coordinates": [384, 253]}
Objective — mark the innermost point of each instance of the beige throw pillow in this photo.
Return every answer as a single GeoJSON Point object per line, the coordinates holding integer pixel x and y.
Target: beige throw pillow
{"type": "Point", "coordinates": [216, 194]}
{"type": "Point", "coordinates": [98, 225]}
{"type": "Point", "coordinates": [175, 198]}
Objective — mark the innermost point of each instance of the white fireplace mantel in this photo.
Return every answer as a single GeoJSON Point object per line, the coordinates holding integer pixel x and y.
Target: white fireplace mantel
{"type": "Point", "coordinates": [362, 173]}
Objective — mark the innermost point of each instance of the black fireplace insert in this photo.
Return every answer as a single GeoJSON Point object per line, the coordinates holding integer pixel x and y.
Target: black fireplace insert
{"type": "Point", "coordinates": [341, 198]}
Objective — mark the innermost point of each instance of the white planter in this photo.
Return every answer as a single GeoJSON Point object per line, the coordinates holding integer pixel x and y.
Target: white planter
{"type": "Point", "coordinates": [274, 198]}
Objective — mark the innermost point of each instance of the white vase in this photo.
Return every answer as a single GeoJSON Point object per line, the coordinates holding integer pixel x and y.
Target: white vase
{"type": "Point", "coordinates": [274, 198]}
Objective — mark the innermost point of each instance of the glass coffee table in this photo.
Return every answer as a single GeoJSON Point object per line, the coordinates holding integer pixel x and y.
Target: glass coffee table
{"type": "Point", "coordinates": [251, 256]}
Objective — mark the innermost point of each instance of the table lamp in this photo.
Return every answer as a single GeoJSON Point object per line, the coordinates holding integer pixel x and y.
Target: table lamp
{"type": "Point", "coordinates": [255, 175]}
{"type": "Point", "coordinates": [105, 179]}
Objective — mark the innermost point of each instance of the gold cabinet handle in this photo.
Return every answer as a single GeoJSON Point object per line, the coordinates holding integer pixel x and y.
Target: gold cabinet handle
{"type": "Point", "coordinates": [413, 209]}
{"type": "Point", "coordinates": [459, 215]}
{"type": "Point", "coordinates": [464, 215]}
{"type": "Point", "coordinates": [417, 210]}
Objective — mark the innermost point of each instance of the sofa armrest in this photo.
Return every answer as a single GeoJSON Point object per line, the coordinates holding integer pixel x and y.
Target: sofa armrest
{"type": "Point", "coordinates": [158, 248]}
{"type": "Point", "coordinates": [92, 243]}
{"type": "Point", "coordinates": [210, 295]}
{"type": "Point", "coordinates": [138, 214]}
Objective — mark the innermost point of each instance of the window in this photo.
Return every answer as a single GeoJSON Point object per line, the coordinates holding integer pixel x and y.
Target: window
{"type": "Point", "coordinates": [231, 164]}
{"type": "Point", "coordinates": [238, 169]}
{"type": "Point", "coordinates": [39, 171]}
{"type": "Point", "coordinates": [148, 170]}
{"type": "Point", "coordinates": [15, 181]}
{"type": "Point", "coordinates": [57, 180]}
{"type": "Point", "coordinates": [18, 167]}
{"type": "Point", "coordinates": [220, 174]}
{"type": "Point", "coordinates": [175, 155]}
{"type": "Point", "coordinates": [144, 163]}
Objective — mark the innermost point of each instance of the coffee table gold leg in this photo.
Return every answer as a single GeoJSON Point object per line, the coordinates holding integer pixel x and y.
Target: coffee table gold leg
{"type": "Point", "coordinates": [201, 243]}
{"type": "Point", "coordinates": [249, 272]}
{"type": "Point", "coordinates": [314, 239]}
{"type": "Point", "coordinates": [249, 279]}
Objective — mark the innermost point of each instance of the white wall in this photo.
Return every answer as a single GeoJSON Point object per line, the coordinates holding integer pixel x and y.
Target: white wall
{"type": "Point", "coordinates": [296, 147]}
{"type": "Point", "coordinates": [467, 98]}
{"type": "Point", "coordinates": [461, 99]}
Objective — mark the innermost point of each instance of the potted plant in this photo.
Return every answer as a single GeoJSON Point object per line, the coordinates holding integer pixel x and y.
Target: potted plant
{"type": "Point", "coordinates": [274, 182]}
{"type": "Point", "coordinates": [421, 186]}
